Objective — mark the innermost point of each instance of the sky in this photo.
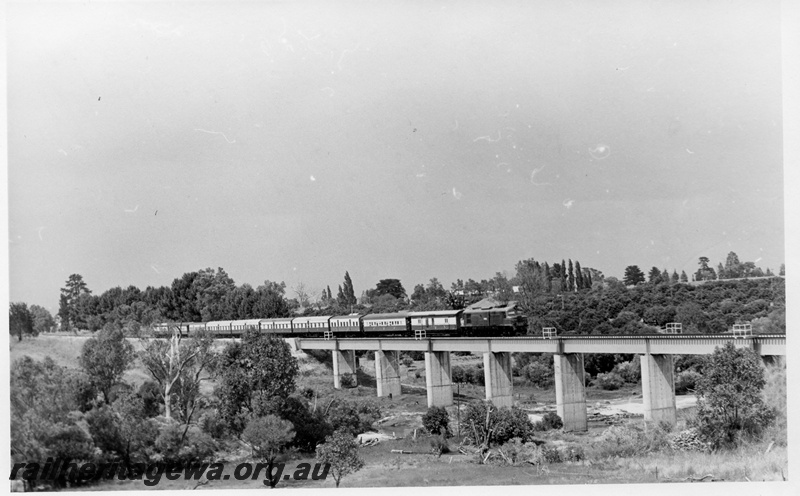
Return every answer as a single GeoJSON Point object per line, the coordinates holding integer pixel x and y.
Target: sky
{"type": "Point", "coordinates": [294, 141]}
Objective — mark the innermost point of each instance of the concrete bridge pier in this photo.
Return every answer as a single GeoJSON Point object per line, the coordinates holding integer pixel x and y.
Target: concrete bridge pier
{"type": "Point", "coordinates": [498, 378]}
{"type": "Point", "coordinates": [387, 373]}
{"type": "Point", "coordinates": [438, 378]}
{"type": "Point", "coordinates": [570, 392]}
{"type": "Point", "coordinates": [658, 388]}
{"type": "Point", "coordinates": [344, 362]}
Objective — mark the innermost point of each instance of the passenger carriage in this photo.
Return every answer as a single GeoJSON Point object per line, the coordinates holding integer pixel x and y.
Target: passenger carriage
{"type": "Point", "coordinates": [344, 325]}
{"type": "Point", "coordinates": [433, 323]}
{"type": "Point", "coordinates": [316, 326]}
{"type": "Point", "coordinates": [240, 327]}
{"type": "Point", "coordinates": [276, 326]}
{"type": "Point", "coordinates": [387, 323]}
{"type": "Point", "coordinates": [220, 328]}
{"type": "Point", "coordinates": [195, 327]}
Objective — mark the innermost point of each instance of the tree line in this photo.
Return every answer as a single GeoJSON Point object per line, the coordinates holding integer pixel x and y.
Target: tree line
{"type": "Point", "coordinates": [563, 294]}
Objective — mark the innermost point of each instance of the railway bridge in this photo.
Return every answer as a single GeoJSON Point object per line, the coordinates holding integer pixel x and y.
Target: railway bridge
{"type": "Point", "coordinates": [656, 353]}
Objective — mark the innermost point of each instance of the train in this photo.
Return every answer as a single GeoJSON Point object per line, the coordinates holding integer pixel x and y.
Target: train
{"type": "Point", "coordinates": [480, 319]}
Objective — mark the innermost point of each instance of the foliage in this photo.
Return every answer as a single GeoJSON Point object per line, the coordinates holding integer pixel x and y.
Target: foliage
{"type": "Point", "coordinates": [540, 372]}
{"type": "Point", "coordinates": [310, 425]}
{"type": "Point", "coordinates": [42, 320]}
{"type": "Point", "coordinates": [69, 311]}
{"type": "Point", "coordinates": [630, 440]}
{"type": "Point", "coordinates": [347, 380]}
{"type": "Point", "coordinates": [106, 357]}
{"type": "Point", "coordinates": [122, 429]}
{"type": "Point", "coordinates": [439, 445]}
{"type": "Point", "coordinates": [181, 444]}
{"type": "Point", "coordinates": [42, 397]}
{"type": "Point", "coordinates": [631, 372]}
{"type": "Point", "coordinates": [391, 287]}
{"type": "Point", "coordinates": [488, 425]}
{"type": "Point", "coordinates": [178, 366]}
{"type": "Point", "coordinates": [550, 420]}
{"type": "Point", "coordinates": [633, 275]}
{"type": "Point", "coordinates": [437, 421]}
{"type": "Point", "coordinates": [211, 424]}
{"type": "Point", "coordinates": [20, 320]}
{"type": "Point", "coordinates": [252, 373]}
{"type": "Point", "coordinates": [341, 452]}
{"type": "Point", "coordinates": [151, 398]}
{"type": "Point", "coordinates": [268, 436]}
{"type": "Point", "coordinates": [610, 381]}
{"type": "Point", "coordinates": [686, 381]}
{"type": "Point", "coordinates": [354, 418]}
{"type": "Point", "coordinates": [730, 406]}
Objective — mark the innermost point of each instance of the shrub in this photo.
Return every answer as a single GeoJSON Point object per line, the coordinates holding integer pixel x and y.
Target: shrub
{"type": "Point", "coordinates": [549, 421]}
{"type": "Point", "coordinates": [211, 424]}
{"type": "Point", "coordinates": [610, 381]}
{"type": "Point", "coordinates": [539, 374]}
{"type": "Point", "coordinates": [629, 441]}
{"type": "Point", "coordinates": [437, 421]}
{"type": "Point", "coordinates": [551, 454]}
{"type": "Point", "coordinates": [173, 447]}
{"type": "Point", "coordinates": [368, 413]}
{"type": "Point", "coordinates": [516, 451]}
{"type": "Point", "coordinates": [458, 374]}
{"type": "Point", "coordinates": [630, 372]}
{"type": "Point", "coordinates": [503, 423]}
{"type": "Point", "coordinates": [354, 418]}
{"type": "Point", "coordinates": [341, 452]}
{"type": "Point", "coordinates": [407, 361]}
{"type": "Point", "coordinates": [347, 380]}
{"type": "Point", "coordinates": [477, 376]}
{"type": "Point", "coordinates": [308, 393]}
{"type": "Point", "coordinates": [439, 445]}
{"type": "Point", "coordinates": [686, 380]}
{"type": "Point", "coordinates": [150, 393]}
{"type": "Point", "coordinates": [730, 406]}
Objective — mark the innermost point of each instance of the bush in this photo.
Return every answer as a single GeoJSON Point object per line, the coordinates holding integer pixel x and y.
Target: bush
{"type": "Point", "coordinates": [516, 451]}
{"type": "Point", "coordinates": [458, 374]}
{"type": "Point", "coordinates": [354, 418]}
{"type": "Point", "coordinates": [730, 407]}
{"type": "Point", "coordinates": [347, 380]}
{"type": "Point", "coordinates": [439, 445]}
{"type": "Point", "coordinates": [310, 427]}
{"type": "Point", "coordinates": [630, 372]}
{"type": "Point", "coordinates": [197, 446]}
{"type": "Point", "coordinates": [308, 393]}
{"type": "Point", "coordinates": [630, 440]}
{"type": "Point", "coordinates": [437, 421]}
{"type": "Point", "coordinates": [686, 381]}
{"type": "Point", "coordinates": [610, 381]}
{"type": "Point", "coordinates": [407, 361]}
{"type": "Point", "coordinates": [211, 424]}
{"type": "Point", "coordinates": [477, 376]}
{"type": "Point", "coordinates": [150, 393]}
{"type": "Point", "coordinates": [539, 374]}
{"type": "Point", "coordinates": [549, 421]}
{"type": "Point", "coordinates": [503, 423]}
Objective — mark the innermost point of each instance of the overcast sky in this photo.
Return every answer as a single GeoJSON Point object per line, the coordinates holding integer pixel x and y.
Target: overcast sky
{"type": "Point", "coordinates": [293, 141]}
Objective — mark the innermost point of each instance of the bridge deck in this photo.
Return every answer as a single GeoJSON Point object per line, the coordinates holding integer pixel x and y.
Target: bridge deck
{"type": "Point", "coordinates": [657, 345]}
